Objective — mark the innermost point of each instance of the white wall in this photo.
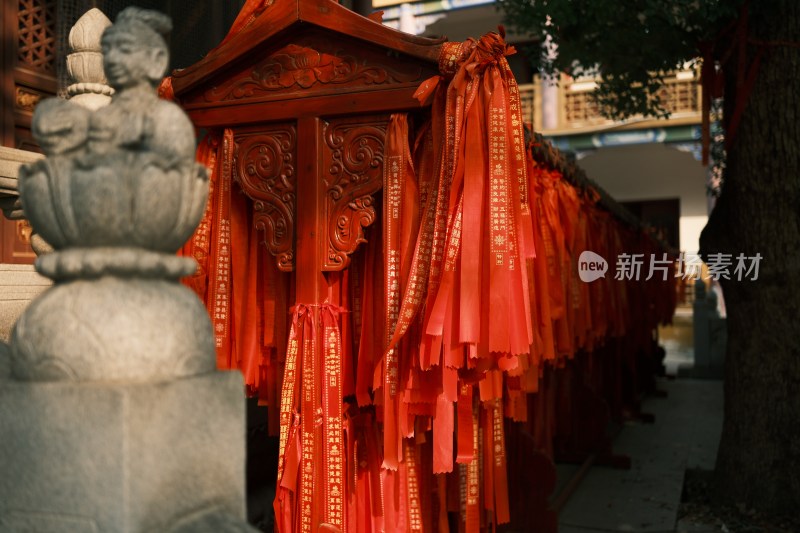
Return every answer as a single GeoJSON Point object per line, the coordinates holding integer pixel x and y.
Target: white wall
{"type": "Point", "coordinates": [690, 228]}
{"type": "Point", "coordinates": [653, 172]}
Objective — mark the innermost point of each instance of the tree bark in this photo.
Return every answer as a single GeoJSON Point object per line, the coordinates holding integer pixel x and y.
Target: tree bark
{"type": "Point", "coordinates": [758, 462]}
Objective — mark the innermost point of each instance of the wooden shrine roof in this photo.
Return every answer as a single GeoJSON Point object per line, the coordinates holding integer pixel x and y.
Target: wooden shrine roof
{"type": "Point", "coordinates": [306, 57]}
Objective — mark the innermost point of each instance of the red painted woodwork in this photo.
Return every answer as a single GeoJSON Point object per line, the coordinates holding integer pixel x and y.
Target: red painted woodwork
{"type": "Point", "coordinates": [28, 61]}
{"type": "Point", "coordinates": [318, 64]}
{"type": "Point", "coordinates": [266, 161]}
{"type": "Point", "coordinates": [15, 241]}
{"type": "Point", "coordinates": [286, 23]}
{"type": "Point", "coordinates": [308, 89]}
{"type": "Point", "coordinates": [310, 224]}
{"type": "Point", "coordinates": [352, 160]}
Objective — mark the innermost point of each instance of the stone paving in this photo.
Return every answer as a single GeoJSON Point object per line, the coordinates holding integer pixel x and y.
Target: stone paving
{"type": "Point", "coordinates": [646, 498]}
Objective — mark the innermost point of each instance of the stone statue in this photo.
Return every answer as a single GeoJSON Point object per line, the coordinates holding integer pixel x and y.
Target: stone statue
{"type": "Point", "coordinates": [117, 195]}
{"type": "Point", "coordinates": [113, 416]}
{"type": "Point", "coordinates": [135, 59]}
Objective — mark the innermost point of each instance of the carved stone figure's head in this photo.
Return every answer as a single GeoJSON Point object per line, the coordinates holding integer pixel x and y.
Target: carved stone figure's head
{"type": "Point", "coordinates": [134, 49]}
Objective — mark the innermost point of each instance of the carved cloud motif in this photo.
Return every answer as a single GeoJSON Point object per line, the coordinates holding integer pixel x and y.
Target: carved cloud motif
{"type": "Point", "coordinates": [303, 67]}
{"type": "Point", "coordinates": [306, 66]}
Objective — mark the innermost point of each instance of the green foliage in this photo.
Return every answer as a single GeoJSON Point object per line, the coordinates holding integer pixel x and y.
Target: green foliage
{"type": "Point", "coordinates": [630, 44]}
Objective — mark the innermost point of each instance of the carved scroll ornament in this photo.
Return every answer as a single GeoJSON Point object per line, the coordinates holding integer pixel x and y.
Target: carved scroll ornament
{"type": "Point", "coordinates": [354, 174]}
{"type": "Point", "coordinates": [266, 172]}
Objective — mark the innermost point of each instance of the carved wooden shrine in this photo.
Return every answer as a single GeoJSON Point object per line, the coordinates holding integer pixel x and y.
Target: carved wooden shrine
{"type": "Point", "coordinates": [309, 105]}
{"type": "Point", "coordinates": [308, 91]}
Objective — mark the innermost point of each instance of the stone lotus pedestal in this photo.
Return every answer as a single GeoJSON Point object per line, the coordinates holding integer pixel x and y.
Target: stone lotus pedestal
{"type": "Point", "coordinates": [113, 417]}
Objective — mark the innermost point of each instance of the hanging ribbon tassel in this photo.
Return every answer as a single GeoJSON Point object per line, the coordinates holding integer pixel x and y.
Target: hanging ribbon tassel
{"type": "Point", "coordinates": [220, 284]}
{"type": "Point", "coordinates": [286, 491]}
{"type": "Point", "coordinates": [499, 474]}
{"type": "Point", "coordinates": [466, 450]}
{"type": "Point", "coordinates": [470, 480]}
{"type": "Point", "coordinates": [333, 467]}
{"type": "Point", "coordinates": [199, 246]}
{"type": "Point", "coordinates": [400, 193]}
{"type": "Point", "coordinates": [475, 172]}
{"type": "Point", "coordinates": [308, 507]}
{"type": "Point", "coordinates": [320, 498]}
{"type": "Point", "coordinates": [413, 482]}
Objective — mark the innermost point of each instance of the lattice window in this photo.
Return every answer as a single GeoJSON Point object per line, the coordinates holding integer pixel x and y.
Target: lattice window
{"type": "Point", "coordinates": [37, 42]}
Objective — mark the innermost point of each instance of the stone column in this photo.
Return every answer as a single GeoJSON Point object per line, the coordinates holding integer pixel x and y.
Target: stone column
{"type": "Point", "coordinates": [550, 103]}
{"type": "Point", "coordinates": [19, 284]}
{"type": "Point", "coordinates": [113, 417]}
{"type": "Point", "coordinates": [85, 61]}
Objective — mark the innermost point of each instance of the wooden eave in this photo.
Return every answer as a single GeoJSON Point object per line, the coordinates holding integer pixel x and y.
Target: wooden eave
{"type": "Point", "coordinates": [286, 14]}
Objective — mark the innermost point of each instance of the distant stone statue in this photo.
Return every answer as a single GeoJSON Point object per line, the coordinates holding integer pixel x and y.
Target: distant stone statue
{"type": "Point", "coordinates": [117, 195]}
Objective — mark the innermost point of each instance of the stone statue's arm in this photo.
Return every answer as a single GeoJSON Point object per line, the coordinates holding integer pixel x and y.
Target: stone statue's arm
{"type": "Point", "coordinates": [172, 132]}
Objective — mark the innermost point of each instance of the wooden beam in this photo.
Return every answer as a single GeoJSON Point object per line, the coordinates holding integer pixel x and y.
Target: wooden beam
{"type": "Point", "coordinates": [255, 112]}
{"type": "Point", "coordinates": [309, 219]}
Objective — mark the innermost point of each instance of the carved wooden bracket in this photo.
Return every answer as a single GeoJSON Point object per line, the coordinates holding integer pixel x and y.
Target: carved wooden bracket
{"type": "Point", "coordinates": [265, 168]}
{"type": "Point", "coordinates": [353, 157]}
{"type": "Point", "coordinates": [352, 163]}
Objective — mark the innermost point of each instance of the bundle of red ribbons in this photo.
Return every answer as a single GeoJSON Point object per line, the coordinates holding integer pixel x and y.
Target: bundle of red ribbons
{"type": "Point", "coordinates": [393, 393]}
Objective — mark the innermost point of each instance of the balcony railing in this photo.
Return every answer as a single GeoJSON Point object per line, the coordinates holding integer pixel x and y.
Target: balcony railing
{"type": "Point", "coordinates": [577, 112]}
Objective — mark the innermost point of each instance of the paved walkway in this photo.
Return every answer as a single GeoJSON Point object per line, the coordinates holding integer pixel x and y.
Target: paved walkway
{"type": "Point", "coordinates": [646, 498]}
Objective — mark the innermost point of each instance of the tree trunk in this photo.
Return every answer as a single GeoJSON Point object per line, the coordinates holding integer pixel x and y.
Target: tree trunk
{"type": "Point", "coordinates": [758, 462]}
